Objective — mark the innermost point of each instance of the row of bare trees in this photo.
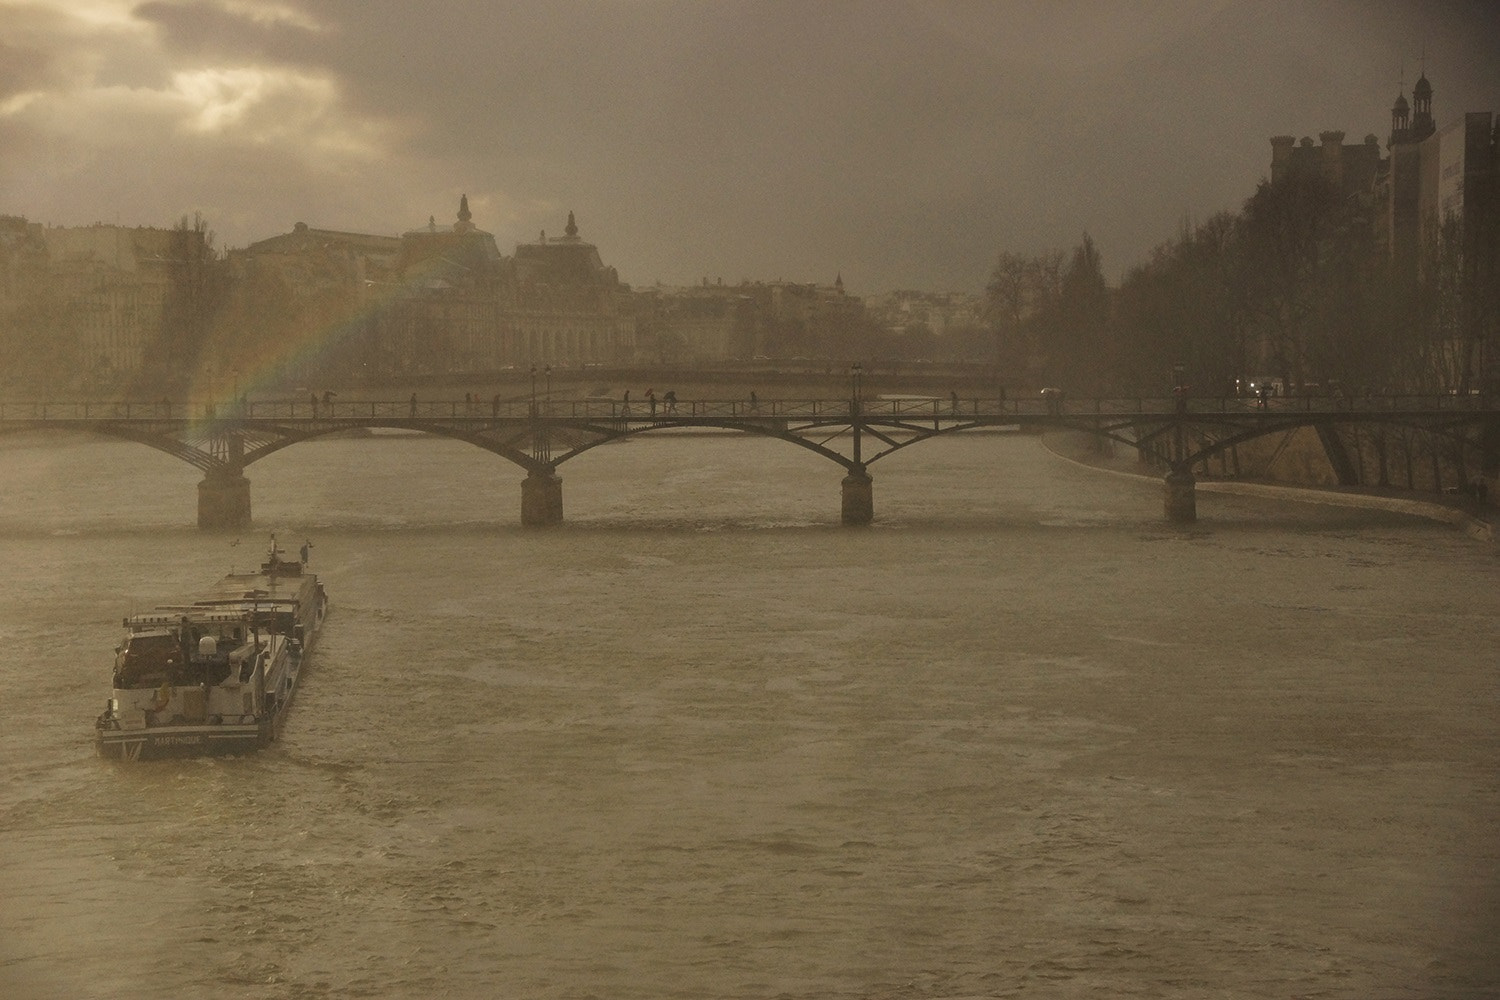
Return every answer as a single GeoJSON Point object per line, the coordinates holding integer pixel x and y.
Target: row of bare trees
{"type": "Point", "coordinates": [1299, 286]}
{"type": "Point", "coordinates": [1050, 315]}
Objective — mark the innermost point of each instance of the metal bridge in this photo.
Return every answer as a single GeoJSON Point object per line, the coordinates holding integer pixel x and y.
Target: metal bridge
{"type": "Point", "coordinates": [541, 434]}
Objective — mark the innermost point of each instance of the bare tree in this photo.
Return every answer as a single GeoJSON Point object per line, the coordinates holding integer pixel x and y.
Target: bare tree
{"type": "Point", "coordinates": [195, 290]}
{"type": "Point", "coordinates": [1007, 294]}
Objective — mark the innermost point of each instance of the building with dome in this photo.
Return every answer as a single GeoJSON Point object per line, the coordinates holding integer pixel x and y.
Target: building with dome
{"type": "Point", "coordinates": [565, 306]}
{"type": "Point", "coordinates": [443, 313]}
{"type": "Point", "coordinates": [439, 299]}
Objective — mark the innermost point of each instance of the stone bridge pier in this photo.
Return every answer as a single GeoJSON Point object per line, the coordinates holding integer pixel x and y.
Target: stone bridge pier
{"type": "Point", "coordinates": [859, 497]}
{"type": "Point", "coordinates": [1180, 496]}
{"type": "Point", "coordinates": [541, 498]}
{"type": "Point", "coordinates": [224, 500]}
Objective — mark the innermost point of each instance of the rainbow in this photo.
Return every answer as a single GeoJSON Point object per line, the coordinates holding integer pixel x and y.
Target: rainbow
{"type": "Point", "coordinates": [246, 355]}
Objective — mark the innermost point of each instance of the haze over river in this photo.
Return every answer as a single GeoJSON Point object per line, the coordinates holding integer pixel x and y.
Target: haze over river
{"type": "Point", "coordinates": [1019, 738]}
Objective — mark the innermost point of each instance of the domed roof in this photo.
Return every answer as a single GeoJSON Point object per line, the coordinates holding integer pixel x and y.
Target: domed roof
{"type": "Point", "coordinates": [1422, 88]}
{"type": "Point", "coordinates": [1401, 104]}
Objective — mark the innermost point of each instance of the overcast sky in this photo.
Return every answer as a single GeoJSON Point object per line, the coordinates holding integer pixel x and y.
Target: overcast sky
{"type": "Point", "coordinates": [902, 145]}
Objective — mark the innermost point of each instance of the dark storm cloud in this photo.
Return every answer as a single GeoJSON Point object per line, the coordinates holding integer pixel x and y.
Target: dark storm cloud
{"type": "Point", "coordinates": [21, 68]}
{"type": "Point", "coordinates": [903, 144]}
{"type": "Point", "coordinates": [210, 29]}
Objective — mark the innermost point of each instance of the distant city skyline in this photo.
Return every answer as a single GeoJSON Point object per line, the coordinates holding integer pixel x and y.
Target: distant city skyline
{"type": "Point", "coordinates": [897, 145]}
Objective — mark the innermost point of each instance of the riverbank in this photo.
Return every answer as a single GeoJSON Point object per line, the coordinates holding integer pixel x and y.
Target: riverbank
{"type": "Point", "coordinates": [1463, 512]}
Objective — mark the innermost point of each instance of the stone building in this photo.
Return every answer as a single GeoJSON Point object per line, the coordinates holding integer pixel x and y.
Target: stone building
{"type": "Point", "coordinates": [940, 312]}
{"type": "Point", "coordinates": [23, 261]}
{"type": "Point", "coordinates": [306, 298]}
{"type": "Point", "coordinates": [1411, 126]}
{"type": "Point", "coordinates": [1435, 185]}
{"type": "Point", "coordinates": [1454, 176]}
{"type": "Point", "coordinates": [445, 316]}
{"type": "Point", "coordinates": [92, 297]}
{"type": "Point", "coordinates": [701, 323]}
{"type": "Point", "coordinates": [444, 300]}
{"type": "Point", "coordinates": [565, 306]}
{"type": "Point", "coordinates": [1351, 168]}
{"type": "Point", "coordinates": [718, 322]}
{"type": "Point", "coordinates": [809, 319]}
{"type": "Point", "coordinates": [309, 258]}
{"type": "Point", "coordinates": [1444, 205]}
{"type": "Point", "coordinates": [1438, 175]}
{"type": "Point", "coordinates": [1426, 175]}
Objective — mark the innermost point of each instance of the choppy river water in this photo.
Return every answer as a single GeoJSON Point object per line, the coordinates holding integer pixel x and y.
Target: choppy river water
{"type": "Point", "coordinates": [1019, 738]}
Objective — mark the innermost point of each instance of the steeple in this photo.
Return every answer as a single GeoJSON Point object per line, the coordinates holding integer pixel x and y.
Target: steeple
{"type": "Point", "coordinates": [1421, 108]}
{"type": "Point", "coordinates": [464, 216]}
{"type": "Point", "coordinates": [572, 230]}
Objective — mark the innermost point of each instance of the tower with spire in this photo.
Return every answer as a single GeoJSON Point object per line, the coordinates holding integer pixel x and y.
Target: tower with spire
{"type": "Point", "coordinates": [1400, 120]}
{"type": "Point", "coordinates": [1421, 109]}
{"type": "Point", "coordinates": [1411, 125]}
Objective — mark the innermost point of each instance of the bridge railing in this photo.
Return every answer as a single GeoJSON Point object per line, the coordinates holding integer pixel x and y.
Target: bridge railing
{"type": "Point", "coordinates": [1393, 403]}
{"type": "Point", "coordinates": [903, 407]}
{"type": "Point", "coordinates": [96, 410]}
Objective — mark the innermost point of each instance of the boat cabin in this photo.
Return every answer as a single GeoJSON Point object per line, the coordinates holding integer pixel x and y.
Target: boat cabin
{"type": "Point", "coordinates": [206, 648]}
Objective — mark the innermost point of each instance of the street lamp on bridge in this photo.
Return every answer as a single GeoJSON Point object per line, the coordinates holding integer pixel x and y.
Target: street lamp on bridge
{"type": "Point", "coordinates": [855, 371]}
{"type": "Point", "coordinates": [548, 373]}
{"type": "Point", "coordinates": [533, 390]}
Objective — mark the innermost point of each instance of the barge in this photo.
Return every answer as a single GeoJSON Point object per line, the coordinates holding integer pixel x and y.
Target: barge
{"type": "Point", "coordinates": [214, 677]}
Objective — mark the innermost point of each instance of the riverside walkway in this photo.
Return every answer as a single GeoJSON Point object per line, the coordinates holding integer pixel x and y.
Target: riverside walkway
{"type": "Point", "coordinates": [540, 434]}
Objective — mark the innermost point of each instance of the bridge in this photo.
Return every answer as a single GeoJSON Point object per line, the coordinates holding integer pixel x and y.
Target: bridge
{"type": "Point", "coordinates": [539, 435]}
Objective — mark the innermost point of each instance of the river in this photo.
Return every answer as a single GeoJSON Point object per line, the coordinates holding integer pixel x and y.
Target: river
{"type": "Point", "coordinates": [1021, 737]}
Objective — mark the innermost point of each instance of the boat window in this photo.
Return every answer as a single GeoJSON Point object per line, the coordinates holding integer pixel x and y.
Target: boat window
{"type": "Point", "coordinates": [216, 669]}
{"type": "Point", "coordinates": [147, 661]}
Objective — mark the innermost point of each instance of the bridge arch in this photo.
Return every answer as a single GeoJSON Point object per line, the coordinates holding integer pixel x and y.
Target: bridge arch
{"type": "Point", "coordinates": [610, 434]}
{"type": "Point", "coordinates": [288, 436]}
{"type": "Point", "coordinates": [852, 433]}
